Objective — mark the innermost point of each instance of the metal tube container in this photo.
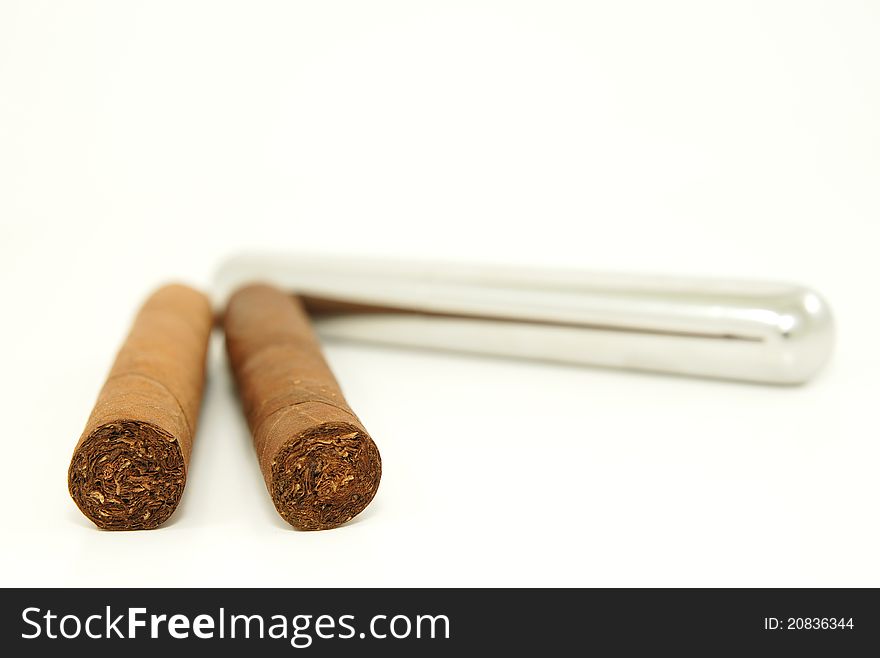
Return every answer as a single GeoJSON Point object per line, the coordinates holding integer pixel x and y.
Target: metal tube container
{"type": "Point", "coordinates": [775, 333]}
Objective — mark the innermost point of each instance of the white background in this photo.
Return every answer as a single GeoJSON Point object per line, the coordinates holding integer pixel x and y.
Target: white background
{"type": "Point", "coordinates": [141, 142]}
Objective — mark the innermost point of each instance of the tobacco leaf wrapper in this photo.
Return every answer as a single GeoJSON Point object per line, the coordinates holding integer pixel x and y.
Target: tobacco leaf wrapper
{"type": "Point", "coordinates": [129, 468]}
{"type": "Point", "coordinates": [320, 465]}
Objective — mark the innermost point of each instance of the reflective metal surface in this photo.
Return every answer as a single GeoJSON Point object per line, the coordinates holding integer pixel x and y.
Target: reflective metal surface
{"type": "Point", "coordinates": [756, 331]}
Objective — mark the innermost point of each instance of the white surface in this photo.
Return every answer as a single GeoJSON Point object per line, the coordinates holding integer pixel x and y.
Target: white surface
{"type": "Point", "coordinates": [141, 142]}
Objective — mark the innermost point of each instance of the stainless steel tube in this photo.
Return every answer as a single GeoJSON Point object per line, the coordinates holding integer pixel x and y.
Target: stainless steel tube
{"type": "Point", "coordinates": [774, 333]}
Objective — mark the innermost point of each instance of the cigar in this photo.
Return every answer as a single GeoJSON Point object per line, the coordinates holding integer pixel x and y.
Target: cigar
{"type": "Point", "coordinates": [320, 465]}
{"type": "Point", "coordinates": [129, 467]}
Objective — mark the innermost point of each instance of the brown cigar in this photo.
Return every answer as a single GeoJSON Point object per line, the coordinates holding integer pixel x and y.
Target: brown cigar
{"type": "Point", "coordinates": [320, 465]}
{"type": "Point", "coordinates": [129, 467]}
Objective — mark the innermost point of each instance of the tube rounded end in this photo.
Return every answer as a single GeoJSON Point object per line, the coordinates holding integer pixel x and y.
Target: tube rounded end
{"type": "Point", "coordinates": [803, 335]}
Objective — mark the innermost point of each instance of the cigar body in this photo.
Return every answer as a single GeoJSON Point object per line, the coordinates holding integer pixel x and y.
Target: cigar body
{"type": "Point", "coordinates": [320, 465]}
{"type": "Point", "coordinates": [767, 332]}
{"type": "Point", "coordinates": [128, 469]}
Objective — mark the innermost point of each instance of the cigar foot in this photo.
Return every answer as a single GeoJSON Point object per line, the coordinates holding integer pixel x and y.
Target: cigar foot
{"type": "Point", "coordinates": [325, 476]}
{"type": "Point", "coordinates": [127, 475]}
